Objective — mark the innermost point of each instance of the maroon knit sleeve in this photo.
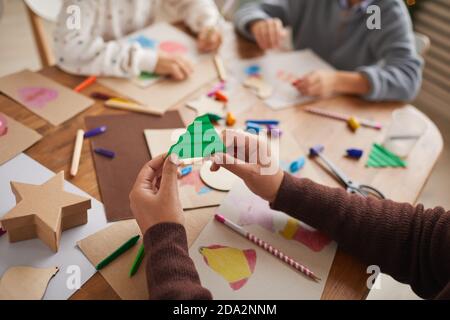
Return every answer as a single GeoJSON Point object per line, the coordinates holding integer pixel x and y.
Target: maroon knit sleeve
{"type": "Point", "coordinates": [409, 243]}
{"type": "Point", "coordinates": [171, 274]}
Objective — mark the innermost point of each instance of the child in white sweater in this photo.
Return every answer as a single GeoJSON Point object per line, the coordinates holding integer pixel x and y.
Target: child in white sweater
{"type": "Point", "coordinates": [94, 48]}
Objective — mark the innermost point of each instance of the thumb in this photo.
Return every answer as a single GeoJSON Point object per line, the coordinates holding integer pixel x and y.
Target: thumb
{"type": "Point", "coordinates": [234, 165]}
{"type": "Point", "coordinates": [169, 179]}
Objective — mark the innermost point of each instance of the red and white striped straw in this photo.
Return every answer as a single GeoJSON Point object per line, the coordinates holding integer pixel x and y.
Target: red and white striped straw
{"type": "Point", "coordinates": [343, 117]}
{"type": "Point", "coordinates": [267, 247]}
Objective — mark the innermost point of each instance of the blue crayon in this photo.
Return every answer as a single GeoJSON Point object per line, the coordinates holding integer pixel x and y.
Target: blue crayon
{"type": "Point", "coordinates": [253, 128]}
{"type": "Point", "coordinates": [264, 122]}
{"type": "Point", "coordinates": [95, 132]}
{"type": "Point", "coordinates": [316, 150]}
{"type": "Point", "coordinates": [297, 165]}
{"type": "Point", "coordinates": [105, 153]}
{"type": "Point", "coordinates": [185, 171]}
{"type": "Point", "coordinates": [355, 153]}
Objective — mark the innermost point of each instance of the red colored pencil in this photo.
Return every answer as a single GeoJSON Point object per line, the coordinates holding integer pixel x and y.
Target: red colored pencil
{"type": "Point", "coordinates": [86, 83]}
{"type": "Point", "coordinates": [267, 247]}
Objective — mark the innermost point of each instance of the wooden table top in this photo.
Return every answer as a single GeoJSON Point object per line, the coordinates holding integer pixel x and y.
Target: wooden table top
{"type": "Point", "coordinates": [347, 278]}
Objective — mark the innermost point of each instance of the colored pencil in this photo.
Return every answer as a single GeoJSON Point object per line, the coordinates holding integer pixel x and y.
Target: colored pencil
{"type": "Point", "coordinates": [122, 104]}
{"type": "Point", "coordinates": [122, 249]}
{"type": "Point", "coordinates": [86, 83]}
{"type": "Point", "coordinates": [265, 122]}
{"type": "Point", "coordinates": [220, 68]}
{"type": "Point", "coordinates": [77, 153]}
{"type": "Point", "coordinates": [343, 117]}
{"type": "Point", "coordinates": [267, 247]}
{"type": "Point", "coordinates": [137, 261]}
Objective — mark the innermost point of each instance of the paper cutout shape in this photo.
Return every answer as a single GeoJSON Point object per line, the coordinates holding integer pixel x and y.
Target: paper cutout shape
{"type": "Point", "coordinates": [2, 232]}
{"type": "Point", "coordinates": [125, 137]}
{"type": "Point", "coordinates": [3, 125]}
{"type": "Point", "coordinates": [204, 105]}
{"type": "Point", "coordinates": [101, 244]}
{"type": "Point", "coordinates": [380, 157]}
{"type": "Point", "coordinates": [200, 140]}
{"type": "Point", "coordinates": [15, 139]}
{"type": "Point", "coordinates": [221, 180]}
{"type": "Point", "coordinates": [44, 211]}
{"type": "Point", "coordinates": [313, 239]}
{"type": "Point", "coordinates": [145, 42]}
{"type": "Point", "coordinates": [37, 97]}
{"type": "Point", "coordinates": [44, 97]}
{"type": "Point", "coordinates": [252, 210]}
{"type": "Point", "coordinates": [193, 192]}
{"type": "Point", "coordinates": [173, 47]}
{"type": "Point", "coordinates": [236, 266]}
{"type": "Point", "coordinates": [193, 179]}
{"type": "Point", "coordinates": [263, 89]}
{"type": "Point", "coordinates": [25, 283]}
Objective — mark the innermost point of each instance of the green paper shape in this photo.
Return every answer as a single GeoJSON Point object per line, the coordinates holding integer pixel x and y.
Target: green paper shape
{"type": "Point", "coordinates": [200, 140]}
{"type": "Point", "coordinates": [147, 75]}
{"type": "Point", "coordinates": [214, 117]}
{"type": "Point", "coordinates": [380, 157]}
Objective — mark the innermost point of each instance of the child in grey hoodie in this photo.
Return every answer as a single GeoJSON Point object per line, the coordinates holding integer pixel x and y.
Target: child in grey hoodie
{"type": "Point", "coordinates": [377, 64]}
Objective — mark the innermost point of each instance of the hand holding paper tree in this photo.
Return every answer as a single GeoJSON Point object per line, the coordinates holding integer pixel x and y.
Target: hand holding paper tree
{"type": "Point", "coordinates": [200, 140]}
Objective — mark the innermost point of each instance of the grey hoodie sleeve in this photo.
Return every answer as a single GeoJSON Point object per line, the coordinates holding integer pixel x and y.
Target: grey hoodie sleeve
{"type": "Point", "coordinates": [260, 10]}
{"type": "Point", "coordinates": [398, 74]}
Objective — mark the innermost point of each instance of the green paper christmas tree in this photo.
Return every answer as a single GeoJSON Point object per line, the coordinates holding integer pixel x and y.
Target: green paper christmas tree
{"type": "Point", "coordinates": [380, 157]}
{"type": "Point", "coordinates": [200, 140]}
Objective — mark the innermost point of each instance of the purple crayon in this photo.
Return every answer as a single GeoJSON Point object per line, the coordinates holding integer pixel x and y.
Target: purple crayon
{"type": "Point", "coordinates": [95, 132]}
{"type": "Point", "coordinates": [355, 153]}
{"type": "Point", "coordinates": [105, 153]}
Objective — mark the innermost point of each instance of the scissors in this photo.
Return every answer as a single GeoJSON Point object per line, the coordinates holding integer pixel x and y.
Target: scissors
{"type": "Point", "coordinates": [352, 186]}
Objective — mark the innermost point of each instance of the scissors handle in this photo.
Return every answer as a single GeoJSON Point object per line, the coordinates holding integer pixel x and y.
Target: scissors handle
{"type": "Point", "coordinates": [369, 190]}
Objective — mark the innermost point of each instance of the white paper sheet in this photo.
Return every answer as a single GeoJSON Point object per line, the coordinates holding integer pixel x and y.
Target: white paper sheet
{"type": "Point", "coordinates": [271, 278]}
{"type": "Point", "coordinates": [34, 252]}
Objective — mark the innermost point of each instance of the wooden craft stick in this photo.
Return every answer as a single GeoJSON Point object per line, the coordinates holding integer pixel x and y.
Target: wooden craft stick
{"type": "Point", "coordinates": [121, 104]}
{"type": "Point", "coordinates": [267, 247]}
{"type": "Point", "coordinates": [77, 153]}
{"type": "Point", "coordinates": [220, 68]}
{"type": "Point", "coordinates": [86, 83]}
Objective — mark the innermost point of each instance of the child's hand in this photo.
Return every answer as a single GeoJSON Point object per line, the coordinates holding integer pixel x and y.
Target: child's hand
{"type": "Point", "coordinates": [317, 84]}
{"type": "Point", "coordinates": [154, 198]}
{"type": "Point", "coordinates": [174, 66]}
{"type": "Point", "coordinates": [249, 157]}
{"type": "Point", "coordinates": [209, 39]}
{"type": "Point", "coordinates": [269, 33]}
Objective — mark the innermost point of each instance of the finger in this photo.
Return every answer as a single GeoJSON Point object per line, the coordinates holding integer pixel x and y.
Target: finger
{"type": "Point", "coordinates": [186, 65]}
{"type": "Point", "coordinates": [241, 145]}
{"type": "Point", "coordinates": [273, 34]}
{"type": "Point", "coordinates": [169, 179]}
{"type": "Point", "coordinates": [148, 173]}
{"type": "Point", "coordinates": [259, 37]}
{"type": "Point", "coordinates": [236, 166]}
{"type": "Point", "coordinates": [176, 72]}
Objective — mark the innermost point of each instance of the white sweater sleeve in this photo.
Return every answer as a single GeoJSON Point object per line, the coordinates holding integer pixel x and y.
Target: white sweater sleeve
{"type": "Point", "coordinates": [81, 51]}
{"type": "Point", "coordinates": [197, 14]}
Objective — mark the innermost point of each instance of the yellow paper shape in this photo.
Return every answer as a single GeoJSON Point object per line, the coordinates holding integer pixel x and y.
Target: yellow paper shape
{"type": "Point", "coordinates": [290, 229]}
{"type": "Point", "coordinates": [230, 263]}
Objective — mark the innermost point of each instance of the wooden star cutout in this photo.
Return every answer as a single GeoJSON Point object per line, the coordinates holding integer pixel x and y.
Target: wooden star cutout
{"type": "Point", "coordinates": [44, 211]}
